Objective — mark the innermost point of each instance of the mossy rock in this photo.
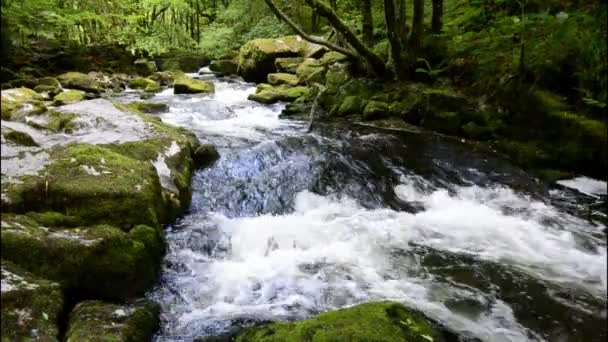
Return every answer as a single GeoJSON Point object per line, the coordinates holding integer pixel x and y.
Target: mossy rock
{"type": "Point", "coordinates": [30, 305]}
{"type": "Point", "coordinates": [60, 122]}
{"type": "Point", "coordinates": [309, 68]}
{"type": "Point", "coordinates": [187, 85]}
{"type": "Point", "coordinates": [224, 66]}
{"type": "Point", "coordinates": [13, 99]}
{"type": "Point", "coordinates": [444, 122]}
{"type": "Point", "coordinates": [101, 261]}
{"type": "Point", "coordinates": [182, 63]}
{"type": "Point", "coordinates": [378, 322]}
{"type": "Point", "coordinates": [283, 78]}
{"type": "Point", "coordinates": [288, 64]}
{"type": "Point", "coordinates": [149, 107]}
{"type": "Point", "coordinates": [375, 110]}
{"type": "Point", "coordinates": [144, 67]}
{"type": "Point", "coordinates": [18, 138]}
{"type": "Point", "coordinates": [268, 94]}
{"type": "Point", "coordinates": [49, 81]}
{"type": "Point", "coordinates": [79, 81]}
{"type": "Point", "coordinates": [382, 49]}
{"type": "Point", "coordinates": [477, 132]}
{"type": "Point", "coordinates": [93, 321]}
{"type": "Point", "coordinates": [350, 105]}
{"type": "Point", "coordinates": [68, 97]}
{"type": "Point", "coordinates": [45, 89]}
{"type": "Point", "coordinates": [28, 109]}
{"type": "Point", "coordinates": [141, 83]}
{"type": "Point", "coordinates": [205, 155]}
{"type": "Point", "coordinates": [333, 57]}
{"type": "Point", "coordinates": [165, 78]}
{"type": "Point", "coordinates": [257, 57]}
{"type": "Point", "coordinates": [152, 88]}
{"type": "Point", "coordinates": [337, 76]}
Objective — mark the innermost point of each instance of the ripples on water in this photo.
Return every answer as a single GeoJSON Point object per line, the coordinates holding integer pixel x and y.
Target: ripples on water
{"type": "Point", "coordinates": [288, 224]}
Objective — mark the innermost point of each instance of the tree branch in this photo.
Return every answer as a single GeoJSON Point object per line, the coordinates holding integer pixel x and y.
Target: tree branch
{"type": "Point", "coordinates": [305, 36]}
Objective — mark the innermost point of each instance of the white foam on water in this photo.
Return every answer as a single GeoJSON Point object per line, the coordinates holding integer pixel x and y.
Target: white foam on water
{"type": "Point", "coordinates": [331, 252]}
{"type": "Point", "coordinates": [586, 185]}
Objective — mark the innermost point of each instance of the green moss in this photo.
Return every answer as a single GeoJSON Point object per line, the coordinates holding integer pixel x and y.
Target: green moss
{"type": "Point", "coordinates": [288, 64]}
{"type": "Point", "coordinates": [54, 219]}
{"type": "Point", "coordinates": [98, 321]}
{"type": "Point", "coordinates": [152, 88]}
{"type": "Point", "coordinates": [100, 261]}
{"type": "Point", "coordinates": [375, 110]}
{"type": "Point", "coordinates": [378, 322]}
{"type": "Point", "coordinates": [187, 85]}
{"type": "Point", "coordinates": [20, 138]}
{"type": "Point", "coordinates": [333, 57]}
{"type": "Point", "coordinates": [308, 68]}
{"type": "Point", "coordinates": [68, 97]}
{"type": "Point", "coordinates": [256, 57]}
{"type": "Point", "coordinates": [350, 105]}
{"type": "Point", "coordinates": [28, 303]}
{"type": "Point", "coordinates": [477, 132]}
{"type": "Point", "coordinates": [205, 155]}
{"type": "Point", "coordinates": [282, 78]}
{"type": "Point", "coordinates": [224, 67]}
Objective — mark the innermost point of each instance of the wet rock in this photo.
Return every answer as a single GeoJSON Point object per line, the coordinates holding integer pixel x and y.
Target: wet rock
{"type": "Point", "coordinates": [79, 81]}
{"type": "Point", "coordinates": [187, 85]}
{"type": "Point", "coordinates": [99, 321]}
{"type": "Point", "coordinates": [224, 66]}
{"type": "Point", "coordinates": [205, 155]}
{"type": "Point", "coordinates": [311, 71]}
{"type": "Point", "coordinates": [18, 137]}
{"type": "Point", "coordinates": [268, 94]}
{"type": "Point", "coordinates": [144, 67]}
{"type": "Point", "coordinates": [100, 261]}
{"type": "Point", "coordinates": [30, 305]}
{"type": "Point", "coordinates": [378, 322]}
{"type": "Point", "coordinates": [288, 64]}
{"type": "Point", "coordinates": [49, 86]}
{"type": "Point", "coordinates": [282, 78]}
{"type": "Point", "coordinates": [375, 110]}
{"type": "Point", "coordinates": [15, 98]}
{"type": "Point", "coordinates": [166, 78]}
{"type": "Point", "coordinates": [444, 122]}
{"type": "Point", "coordinates": [68, 97]}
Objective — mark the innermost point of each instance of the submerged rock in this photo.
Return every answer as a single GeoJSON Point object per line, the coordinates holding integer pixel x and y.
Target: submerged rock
{"type": "Point", "coordinates": [99, 321]}
{"type": "Point", "coordinates": [79, 81]}
{"type": "Point", "coordinates": [205, 155]}
{"type": "Point", "coordinates": [30, 306]}
{"type": "Point", "coordinates": [378, 322]}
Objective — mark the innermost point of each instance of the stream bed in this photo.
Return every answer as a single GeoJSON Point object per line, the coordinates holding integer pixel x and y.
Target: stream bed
{"type": "Point", "coordinates": [288, 224]}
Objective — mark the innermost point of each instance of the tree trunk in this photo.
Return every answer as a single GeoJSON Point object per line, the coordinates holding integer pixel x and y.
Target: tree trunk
{"type": "Point", "coordinates": [400, 21]}
{"type": "Point", "coordinates": [417, 22]}
{"type": "Point", "coordinates": [393, 38]}
{"type": "Point", "coordinates": [437, 18]}
{"type": "Point", "coordinates": [367, 24]}
{"type": "Point", "coordinates": [351, 38]}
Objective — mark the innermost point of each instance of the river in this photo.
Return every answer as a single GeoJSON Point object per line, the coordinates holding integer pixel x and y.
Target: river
{"type": "Point", "coordinates": [288, 224]}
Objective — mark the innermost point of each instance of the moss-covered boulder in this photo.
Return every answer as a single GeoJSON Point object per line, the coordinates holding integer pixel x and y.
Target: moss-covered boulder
{"type": "Point", "coordinates": [375, 110]}
{"type": "Point", "coordinates": [224, 66]}
{"type": "Point", "coordinates": [98, 321]}
{"type": "Point", "coordinates": [48, 85]}
{"type": "Point", "coordinates": [187, 85]}
{"type": "Point", "coordinates": [288, 64]}
{"type": "Point", "coordinates": [149, 107]}
{"type": "Point", "coordinates": [257, 57]}
{"type": "Point", "coordinates": [100, 261]}
{"type": "Point", "coordinates": [164, 78]}
{"type": "Point", "coordinates": [30, 306]}
{"type": "Point", "coordinates": [79, 81]}
{"type": "Point", "coordinates": [144, 67]}
{"type": "Point", "coordinates": [268, 94]}
{"type": "Point", "coordinates": [283, 78]}
{"type": "Point", "coordinates": [377, 322]}
{"type": "Point", "coordinates": [185, 63]}
{"type": "Point", "coordinates": [311, 71]}
{"type": "Point", "coordinates": [68, 97]}
{"type": "Point", "coordinates": [333, 57]}
{"type": "Point", "coordinates": [350, 105]}
{"type": "Point", "coordinates": [17, 137]}
{"type": "Point", "coordinates": [15, 98]}
{"type": "Point", "coordinates": [141, 83]}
